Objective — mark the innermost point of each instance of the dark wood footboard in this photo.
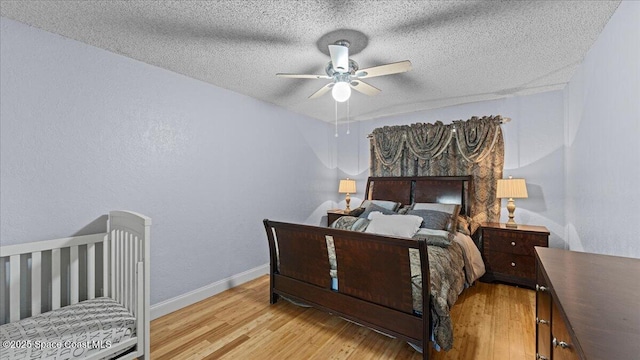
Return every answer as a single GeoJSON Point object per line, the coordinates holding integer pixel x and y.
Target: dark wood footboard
{"type": "Point", "coordinates": [373, 275]}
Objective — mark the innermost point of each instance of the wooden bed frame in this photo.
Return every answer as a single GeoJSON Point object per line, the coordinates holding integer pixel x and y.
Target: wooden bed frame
{"type": "Point", "coordinates": [113, 264]}
{"type": "Point", "coordinates": [374, 276]}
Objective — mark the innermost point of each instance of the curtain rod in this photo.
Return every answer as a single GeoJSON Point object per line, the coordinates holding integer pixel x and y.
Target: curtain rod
{"type": "Point", "coordinates": [503, 120]}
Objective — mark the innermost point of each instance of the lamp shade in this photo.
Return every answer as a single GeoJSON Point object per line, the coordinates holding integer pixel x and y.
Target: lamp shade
{"type": "Point", "coordinates": [512, 188]}
{"type": "Point", "coordinates": [347, 186]}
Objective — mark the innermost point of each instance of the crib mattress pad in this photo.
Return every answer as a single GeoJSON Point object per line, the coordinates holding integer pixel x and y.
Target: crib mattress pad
{"type": "Point", "coordinates": [71, 332]}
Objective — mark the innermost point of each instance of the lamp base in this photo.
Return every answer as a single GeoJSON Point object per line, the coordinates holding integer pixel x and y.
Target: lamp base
{"type": "Point", "coordinates": [511, 206]}
{"type": "Point", "coordinates": [347, 200]}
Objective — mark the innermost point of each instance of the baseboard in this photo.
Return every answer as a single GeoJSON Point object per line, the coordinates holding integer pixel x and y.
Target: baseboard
{"type": "Point", "coordinates": [192, 297]}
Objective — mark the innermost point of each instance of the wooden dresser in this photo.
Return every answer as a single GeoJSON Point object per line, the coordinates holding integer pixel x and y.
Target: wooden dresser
{"type": "Point", "coordinates": [508, 252]}
{"type": "Point", "coordinates": [587, 306]}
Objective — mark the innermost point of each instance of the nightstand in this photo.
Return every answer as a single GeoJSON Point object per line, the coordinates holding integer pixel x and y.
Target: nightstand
{"type": "Point", "coordinates": [335, 214]}
{"type": "Point", "coordinates": [508, 253]}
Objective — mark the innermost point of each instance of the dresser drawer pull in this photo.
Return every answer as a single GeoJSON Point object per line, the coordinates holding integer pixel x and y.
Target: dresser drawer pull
{"type": "Point", "coordinates": [513, 264]}
{"type": "Point", "coordinates": [541, 288]}
{"type": "Point", "coordinates": [513, 243]}
{"type": "Point", "coordinates": [541, 321]}
{"type": "Point", "coordinates": [541, 357]}
{"type": "Point", "coordinates": [562, 344]}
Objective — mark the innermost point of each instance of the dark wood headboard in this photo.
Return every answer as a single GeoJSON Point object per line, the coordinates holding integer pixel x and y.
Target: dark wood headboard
{"type": "Point", "coordinates": [428, 189]}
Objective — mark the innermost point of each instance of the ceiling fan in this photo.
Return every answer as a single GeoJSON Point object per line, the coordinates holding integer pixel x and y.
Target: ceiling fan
{"type": "Point", "coordinates": [346, 74]}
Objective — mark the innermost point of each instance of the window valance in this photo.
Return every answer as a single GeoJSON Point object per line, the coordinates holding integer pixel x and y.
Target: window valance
{"type": "Point", "coordinates": [464, 147]}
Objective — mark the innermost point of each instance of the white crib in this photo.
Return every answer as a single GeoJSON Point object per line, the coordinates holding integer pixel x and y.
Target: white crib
{"type": "Point", "coordinates": [65, 298]}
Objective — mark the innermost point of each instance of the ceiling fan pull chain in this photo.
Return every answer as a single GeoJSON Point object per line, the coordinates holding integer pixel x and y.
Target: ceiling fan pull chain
{"type": "Point", "coordinates": [336, 135]}
{"type": "Point", "coordinates": [348, 123]}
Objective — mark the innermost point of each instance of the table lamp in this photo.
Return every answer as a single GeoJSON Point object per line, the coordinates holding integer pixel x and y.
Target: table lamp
{"type": "Point", "coordinates": [511, 188]}
{"type": "Point", "coordinates": [347, 186]}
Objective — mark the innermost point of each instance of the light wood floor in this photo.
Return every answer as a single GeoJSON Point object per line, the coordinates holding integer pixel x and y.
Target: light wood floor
{"type": "Point", "coordinates": [491, 321]}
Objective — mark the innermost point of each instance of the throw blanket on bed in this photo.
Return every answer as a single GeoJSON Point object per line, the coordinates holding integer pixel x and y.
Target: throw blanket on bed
{"type": "Point", "coordinates": [446, 267]}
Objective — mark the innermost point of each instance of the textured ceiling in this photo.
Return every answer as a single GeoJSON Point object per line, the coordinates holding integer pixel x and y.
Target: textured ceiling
{"type": "Point", "coordinates": [461, 51]}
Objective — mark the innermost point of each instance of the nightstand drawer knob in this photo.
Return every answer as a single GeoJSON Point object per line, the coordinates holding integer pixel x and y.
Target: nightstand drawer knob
{"type": "Point", "coordinates": [541, 288]}
{"type": "Point", "coordinates": [540, 357]}
{"type": "Point", "coordinates": [513, 243]}
{"type": "Point", "coordinates": [513, 264]}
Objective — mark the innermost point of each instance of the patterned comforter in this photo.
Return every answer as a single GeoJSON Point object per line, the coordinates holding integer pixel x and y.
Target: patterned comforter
{"type": "Point", "coordinates": [447, 276]}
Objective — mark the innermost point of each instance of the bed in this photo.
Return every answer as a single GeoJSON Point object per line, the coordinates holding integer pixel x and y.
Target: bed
{"type": "Point", "coordinates": [377, 280]}
{"type": "Point", "coordinates": [79, 297]}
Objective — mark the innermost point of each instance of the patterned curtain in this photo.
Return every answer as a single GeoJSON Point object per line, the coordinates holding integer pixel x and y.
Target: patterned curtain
{"type": "Point", "coordinates": [428, 140]}
{"type": "Point", "coordinates": [390, 150]}
{"type": "Point", "coordinates": [472, 147]}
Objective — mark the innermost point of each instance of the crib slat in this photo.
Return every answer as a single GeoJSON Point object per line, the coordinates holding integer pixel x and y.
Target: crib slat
{"type": "Point", "coordinates": [4, 290]}
{"type": "Point", "coordinates": [114, 268]}
{"type": "Point", "coordinates": [107, 289]}
{"type": "Point", "coordinates": [14, 288]}
{"type": "Point", "coordinates": [125, 269]}
{"type": "Point", "coordinates": [123, 266]}
{"type": "Point", "coordinates": [116, 255]}
{"type": "Point", "coordinates": [136, 257]}
{"type": "Point", "coordinates": [139, 289]}
{"type": "Point", "coordinates": [129, 270]}
{"type": "Point", "coordinates": [74, 283]}
{"type": "Point", "coordinates": [132, 275]}
{"type": "Point", "coordinates": [91, 271]}
{"type": "Point", "coordinates": [125, 278]}
{"type": "Point", "coordinates": [55, 279]}
{"type": "Point", "coordinates": [36, 282]}
{"type": "Point", "coordinates": [120, 268]}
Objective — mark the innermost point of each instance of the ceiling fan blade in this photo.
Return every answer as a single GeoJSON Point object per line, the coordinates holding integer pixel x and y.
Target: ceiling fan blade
{"type": "Point", "coordinates": [364, 88]}
{"type": "Point", "coordinates": [339, 58]}
{"type": "Point", "coordinates": [323, 90]}
{"type": "Point", "coordinates": [387, 69]}
{"type": "Point", "coordinates": [302, 76]}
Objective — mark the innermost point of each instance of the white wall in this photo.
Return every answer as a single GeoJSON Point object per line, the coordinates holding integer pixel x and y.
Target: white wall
{"type": "Point", "coordinates": [534, 150]}
{"type": "Point", "coordinates": [578, 148]}
{"type": "Point", "coordinates": [84, 131]}
{"type": "Point", "coordinates": [603, 141]}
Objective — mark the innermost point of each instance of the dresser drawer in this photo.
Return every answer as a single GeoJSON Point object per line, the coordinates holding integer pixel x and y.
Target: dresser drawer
{"type": "Point", "coordinates": [510, 264]}
{"type": "Point", "coordinates": [512, 242]}
{"type": "Point", "coordinates": [561, 344]}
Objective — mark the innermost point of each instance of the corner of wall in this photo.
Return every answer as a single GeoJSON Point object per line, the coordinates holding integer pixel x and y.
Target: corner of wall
{"type": "Point", "coordinates": [567, 233]}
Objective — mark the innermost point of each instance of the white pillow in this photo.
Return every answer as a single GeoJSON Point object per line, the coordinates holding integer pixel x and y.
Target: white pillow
{"type": "Point", "coordinates": [393, 225]}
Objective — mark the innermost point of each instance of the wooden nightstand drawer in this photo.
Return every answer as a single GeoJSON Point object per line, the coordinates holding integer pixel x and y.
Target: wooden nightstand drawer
{"type": "Point", "coordinates": [513, 243]}
{"type": "Point", "coordinates": [522, 266]}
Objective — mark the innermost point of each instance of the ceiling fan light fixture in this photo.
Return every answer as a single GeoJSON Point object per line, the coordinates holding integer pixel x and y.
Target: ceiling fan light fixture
{"type": "Point", "coordinates": [341, 91]}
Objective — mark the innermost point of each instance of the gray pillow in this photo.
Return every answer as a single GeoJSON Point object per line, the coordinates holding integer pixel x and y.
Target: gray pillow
{"type": "Point", "coordinates": [373, 207]}
{"type": "Point", "coordinates": [432, 219]}
{"type": "Point", "coordinates": [452, 209]}
{"type": "Point", "coordinates": [390, 205]}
